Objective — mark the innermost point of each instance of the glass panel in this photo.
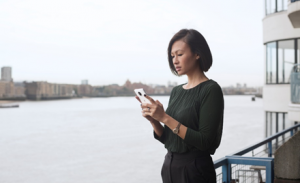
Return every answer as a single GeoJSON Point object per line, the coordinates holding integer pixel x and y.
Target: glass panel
{"type": "Point", "coordinates": [286, 60]}
{"type": "Point", "coordinates": [285, 4]}
{"type": "Point", "coordinates": [273, 124]}
{"type": "Point", "coordinates": [279, 5]}
{"type": "Point", "coordinates": [268, 124]}
{"type": "Point", "coordinates": [282, 5]}
{"type": "Point", "coordinates": [298, 51]}
{"type": "Point", "coordinates": [280, 122]}
{"type": "Point", "coordinates": [288, 123]}
{"type": "Point", "coordinates": [271, 63]}
{"type": "Point", "coordinates": [270, 6]}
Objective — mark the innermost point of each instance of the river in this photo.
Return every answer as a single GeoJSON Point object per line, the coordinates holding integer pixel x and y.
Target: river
{"type": "Point", "coordinates": [102, 139]}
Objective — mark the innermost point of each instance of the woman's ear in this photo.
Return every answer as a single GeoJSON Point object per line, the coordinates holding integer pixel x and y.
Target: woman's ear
{"type": "Point", "coordinates": [197, 56]}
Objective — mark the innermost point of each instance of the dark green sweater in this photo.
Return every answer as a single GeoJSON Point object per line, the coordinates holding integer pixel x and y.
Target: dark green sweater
{"type": "Point", "coordinates": [201, 110]}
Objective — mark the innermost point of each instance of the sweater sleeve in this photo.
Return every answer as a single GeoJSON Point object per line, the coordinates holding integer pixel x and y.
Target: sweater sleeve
{"type": "Point", "coordinates": [162, 137]}
{"type": "Point", "coordinates": [210, 119]}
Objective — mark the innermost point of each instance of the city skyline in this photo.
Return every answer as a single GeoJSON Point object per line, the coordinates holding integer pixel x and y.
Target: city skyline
{"type": "Point", "coordinates": [6, 75]}
{"type": "Point", "coordinates": [107, 44]}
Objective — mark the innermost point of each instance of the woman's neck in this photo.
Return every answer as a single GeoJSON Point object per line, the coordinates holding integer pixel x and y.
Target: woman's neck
{"type": "Point", "coordinates": [195, 78]}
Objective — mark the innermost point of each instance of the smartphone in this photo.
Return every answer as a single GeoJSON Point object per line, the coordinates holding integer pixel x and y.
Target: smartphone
{"type": "Point", "coordinates": [140, 93]}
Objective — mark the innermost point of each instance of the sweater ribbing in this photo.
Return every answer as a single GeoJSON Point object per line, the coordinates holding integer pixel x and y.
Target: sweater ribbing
{"type": "Point", "coordinates": [201, 110]}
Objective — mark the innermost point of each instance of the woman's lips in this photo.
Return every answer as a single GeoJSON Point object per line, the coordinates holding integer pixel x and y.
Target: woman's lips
{"type": "Point", "coordinates": [178, 68]}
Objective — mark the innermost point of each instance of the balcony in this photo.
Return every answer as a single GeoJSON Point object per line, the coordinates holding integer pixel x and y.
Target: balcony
{"type": "Point", "coordinates": [294, 13]}
{"type": "Point", "coordinates": [295, 84]}
{"type": "Point", "coordinates": [249, 166]}
{"type": "Point", "coordinates": [294, 106]}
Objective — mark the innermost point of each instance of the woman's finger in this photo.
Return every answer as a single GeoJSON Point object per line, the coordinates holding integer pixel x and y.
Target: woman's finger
{"type": "Point", "coordinates": [145, 113]}
{"type": "Point", "coordinates": [151, 100]}
{"type": "Point", "coordinates": [146, 105]}
{"type": "Point", "coordinates": [158, 102]}
{"type": "Point", "coordinates": [138, 99]}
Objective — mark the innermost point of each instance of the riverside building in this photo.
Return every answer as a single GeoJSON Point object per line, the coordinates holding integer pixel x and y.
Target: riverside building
{"type": "Point", "coordinates": [6, 74]}
{"type": "Point", "coordinates": [281, 90]}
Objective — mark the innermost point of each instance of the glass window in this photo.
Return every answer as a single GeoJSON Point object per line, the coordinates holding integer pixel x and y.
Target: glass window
{"type": "Point", "coordinates": [281, 5]}
{"type": "Point", "coordinates": [276, 122]}
{"type": "Point", "coordinates": [286, 60]}
{"type": "Point", "coordinates": [268, 123]}
{"type": "Point", "coordinates": [280, 121]}
{"type": "Point", "coordinates": [298, 51]}
{"type": "Point", "coordinates": [270, 6]}
{"type": "Point", "coordinates": [273, 124]}
{"type": "Point", "coordinates": [271, 63]}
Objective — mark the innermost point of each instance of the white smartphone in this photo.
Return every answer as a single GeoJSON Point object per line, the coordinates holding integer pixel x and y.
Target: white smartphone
{"type": "Point", "coordinates": [140, 93]}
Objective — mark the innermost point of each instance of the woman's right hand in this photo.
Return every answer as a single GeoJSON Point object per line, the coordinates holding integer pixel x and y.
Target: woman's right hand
{"type": "Point", "coordinates": [152, 120]}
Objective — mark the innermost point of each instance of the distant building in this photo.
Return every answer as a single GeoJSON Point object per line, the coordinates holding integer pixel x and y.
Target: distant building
{"type": "Point", "coordinates": [43, 90]}
{"type": "Point", "coordinates": [8, 89]}
{"type": "Point", "coordinates": [6, 74]}
{"type": "Point", "coordinates": [84, 82]}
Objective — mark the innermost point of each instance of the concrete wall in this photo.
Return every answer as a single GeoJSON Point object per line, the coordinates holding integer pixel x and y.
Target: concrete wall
{"type": "Point", "coordinates": [278, 26]}
{"type": "Point", "coordinates": [294, 112]}
{"type": "Point", "coordinates": [276, 97]}
{"type": "Point", "coordinates": [287, 159]}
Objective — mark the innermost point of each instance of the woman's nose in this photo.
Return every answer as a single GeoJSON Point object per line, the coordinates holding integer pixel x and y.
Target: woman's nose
{"type": "Point", "coordinates": [175, 60]}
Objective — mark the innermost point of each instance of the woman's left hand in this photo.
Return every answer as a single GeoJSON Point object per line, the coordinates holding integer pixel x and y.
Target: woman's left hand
{"type": "Point", "coordinates": [155, 110]}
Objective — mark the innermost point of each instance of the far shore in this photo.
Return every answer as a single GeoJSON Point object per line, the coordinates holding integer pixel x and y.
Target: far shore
{"type": "Point", "coordinates": [8, 101]}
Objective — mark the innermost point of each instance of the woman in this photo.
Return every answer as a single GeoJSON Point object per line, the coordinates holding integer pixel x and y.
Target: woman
{"type": "Point", "coordinates": [193, 121]}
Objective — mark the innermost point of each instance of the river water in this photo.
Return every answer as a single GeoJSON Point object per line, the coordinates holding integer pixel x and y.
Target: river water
{"type": "Point", "coordinates": [102, 139]}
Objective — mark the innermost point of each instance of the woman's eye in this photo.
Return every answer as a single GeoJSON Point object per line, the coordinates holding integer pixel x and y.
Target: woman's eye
{"type": "Point", "coordinates": [172, 56]}
{"type": "Point", "coordinates": [180, 54]}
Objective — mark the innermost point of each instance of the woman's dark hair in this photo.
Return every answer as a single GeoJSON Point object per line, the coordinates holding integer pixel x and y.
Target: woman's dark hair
{"type": "Point", "coordinates": [197, 44]}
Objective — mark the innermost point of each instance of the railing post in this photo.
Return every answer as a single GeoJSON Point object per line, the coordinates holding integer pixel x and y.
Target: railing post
{"type": "Point", "coordinates": [270, 172]}
{"type": "Point", "coordinates": [292, 132]}
{"type": "Point", "coordinates": [226, 173]}
{"type": "Point", "coordinates": [270, 148]}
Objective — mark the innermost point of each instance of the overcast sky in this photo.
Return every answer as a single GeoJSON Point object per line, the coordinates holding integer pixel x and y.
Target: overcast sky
{"type": "Point", "coordinates": [109, 42]}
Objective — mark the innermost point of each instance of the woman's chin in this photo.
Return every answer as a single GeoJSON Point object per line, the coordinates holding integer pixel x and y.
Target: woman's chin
{"type": "Point", "coordinates": [180, 73]}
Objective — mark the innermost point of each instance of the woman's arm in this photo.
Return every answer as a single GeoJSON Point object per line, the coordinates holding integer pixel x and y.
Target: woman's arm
{"type": "Point", "coordinates": [210, 120]}
{"type": "Point", "coordinates": [158, 128]}
{"type": "Point", "coordinates": [172, 123]}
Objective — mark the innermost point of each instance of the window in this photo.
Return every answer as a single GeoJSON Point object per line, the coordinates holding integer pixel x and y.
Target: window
{"type": "Point", "coordinates": [298, 51]}
{"type": "Point", "coordinates": [273, 6]}
{"type": "Point", "coordinates": [271, 63]}
{"type": "Point", "coordinates": [276, 122]}
{"type": "Point", "coordinates": [270, 6]}
{"type": "Point", "coordinates": [282, 5]}
{"type": "Point", "coordinates": [281, 56]}
{"type": "Point", "coordinates": [286, 60]}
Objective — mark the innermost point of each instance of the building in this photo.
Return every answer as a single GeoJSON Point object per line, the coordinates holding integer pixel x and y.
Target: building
{"type": "Point", "coordinates": [45, 91]}
{"type": "Point", "coordinates": [281, 39]}
{"type": "Point", "coordinates": [84, 82]}
{"type": "Point", "coordinates": [6, 74]}
{"type": "Point", "coordinates": [6, 90]}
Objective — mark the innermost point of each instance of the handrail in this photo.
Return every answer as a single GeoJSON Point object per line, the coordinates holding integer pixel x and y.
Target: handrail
{"type": "Point", "coordinates": [250, 148]}
{"type": "Point", "coordinates": [223, 160]}
{"type": "Point", "coordinates": [236, 158]}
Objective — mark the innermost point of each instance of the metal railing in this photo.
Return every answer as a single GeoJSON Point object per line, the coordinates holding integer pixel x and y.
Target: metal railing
{"type": "Point", "coordinates": [292, 1]}
{"type": "Point", "coordinates": [295, 84]}
{"type": "Point", "coordinates": [257, 167]}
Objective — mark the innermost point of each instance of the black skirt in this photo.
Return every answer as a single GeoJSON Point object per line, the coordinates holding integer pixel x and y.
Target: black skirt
{"type": "Point", "coordinates": [190, 167]}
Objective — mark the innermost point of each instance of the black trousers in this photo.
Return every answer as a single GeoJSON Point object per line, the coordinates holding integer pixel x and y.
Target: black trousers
{"type": "Point", "coordinates": [190, 167]}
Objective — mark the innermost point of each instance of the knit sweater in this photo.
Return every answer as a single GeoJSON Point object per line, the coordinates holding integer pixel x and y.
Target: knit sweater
{"type": "Point", "coordinates": [201, 110]}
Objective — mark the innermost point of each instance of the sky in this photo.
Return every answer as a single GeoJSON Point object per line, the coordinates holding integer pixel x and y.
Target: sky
{"type": "Point", "coordinates": [108, 42]}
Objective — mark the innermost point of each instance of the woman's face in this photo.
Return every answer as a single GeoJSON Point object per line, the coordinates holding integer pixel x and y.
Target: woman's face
{"type": "Point", "coordinates": [183, 59]}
